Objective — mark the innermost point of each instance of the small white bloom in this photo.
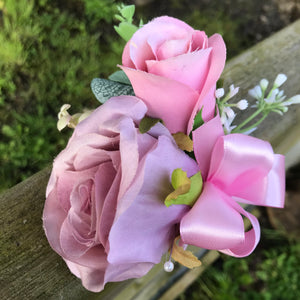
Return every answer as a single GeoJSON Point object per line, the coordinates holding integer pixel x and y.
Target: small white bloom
{"type": "Point", "coordinates": [280, 94]}
{"type": "Point", "coordinates": [272, 97]}
{"type": "Point", "coordinates": [280, 79]}
{"type": "Point", "coordinates": [229, 112]}
{"type": "Point", "coordinates": [63, 111]}
{"type": "Point", "coordinates": [293, 100]}
{"type": "Point", "coordinates": [223, 118]}
{"type": "Point", "coordinates": [264, 84]}
{"type": "Point", "coordinates": [63, 122]}
{"type": "Point", "coordinates": [256, 92]}
{"type": "Point", "coordinates": [233, 91]}
{"type": "Point", "coordinates": [63, 117]}
{"type": "Point", "coordinates": [242, 104]}
{"type": "Point", "coordinates": [250, 131]}
{"type": "Point", "coordinates": [227, 123]}
{"type": "Point", "coordinates": [219, 93]}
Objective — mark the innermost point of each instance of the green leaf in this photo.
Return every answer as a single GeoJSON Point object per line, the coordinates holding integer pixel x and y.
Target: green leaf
{"type": "Point", "coordinates": [180, 179]}
{"type": "Point", "coordinates": [187, 190]}
{"type": "Point", "coordinates": [120, 76]}
{"type": "Point", "coordinates": [127, 12]}
{"type": "Point", "coordinates": [126, 30]}
{"type": "Point", "coordinates": [198, 121]}
{"type": "Point", "coordinates": [220, 83]}
{"type": "Point", "coordinates": [104, 89]}
{"type": "Point", "coordinates": [147, 123]}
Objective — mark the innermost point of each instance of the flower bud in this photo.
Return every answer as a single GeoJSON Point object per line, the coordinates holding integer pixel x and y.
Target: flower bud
{"type": "Point", "coordinates": [242, 104]}
{"type": "Point", "coordinates": [280, 79]}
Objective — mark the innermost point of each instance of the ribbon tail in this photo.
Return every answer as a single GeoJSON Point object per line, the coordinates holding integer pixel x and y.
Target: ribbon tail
{"type": "Point", "coordinates": [251, 237]}
{"type": "Point", "coordinates": [276, 183]}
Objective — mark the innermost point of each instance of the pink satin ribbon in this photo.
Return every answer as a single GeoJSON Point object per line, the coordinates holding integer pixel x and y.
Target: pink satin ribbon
{"type": "Point", "coordinates": [235, 168]}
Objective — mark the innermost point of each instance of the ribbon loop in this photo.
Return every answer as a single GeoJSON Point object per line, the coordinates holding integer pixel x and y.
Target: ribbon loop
{"type": "Point", "coordinates": [235, 167]}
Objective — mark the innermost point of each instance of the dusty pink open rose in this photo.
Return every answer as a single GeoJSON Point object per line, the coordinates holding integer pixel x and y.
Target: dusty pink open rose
{"type": "Point", "coordinates": [174, 69]}
{"type": "Point", "coordinates": [104, 212]}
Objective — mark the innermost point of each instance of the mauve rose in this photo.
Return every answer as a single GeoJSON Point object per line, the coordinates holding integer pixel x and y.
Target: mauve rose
{"type": "Point", "coordinates": [174, 69]}
{"type": "Point", "coordinates": [104, 212]}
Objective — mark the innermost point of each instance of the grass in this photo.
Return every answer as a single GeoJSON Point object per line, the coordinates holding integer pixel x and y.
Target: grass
{"type": "Point", "coordinates": [48, 56]}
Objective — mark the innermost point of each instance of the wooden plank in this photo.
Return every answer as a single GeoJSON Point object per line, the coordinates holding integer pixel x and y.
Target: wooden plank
{"type": "Point", "coordinates": [31, 270]}
{"type": "Point", "coordinates": [280, 53]}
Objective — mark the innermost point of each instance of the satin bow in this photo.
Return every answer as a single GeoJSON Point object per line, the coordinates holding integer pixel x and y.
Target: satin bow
{"type": "Point", "coordinates": [235, 168]}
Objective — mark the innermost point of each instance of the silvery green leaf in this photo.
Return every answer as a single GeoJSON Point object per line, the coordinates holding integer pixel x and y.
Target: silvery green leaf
{"type": "Point", "coordinates": [104, 89]}
{"type": "Point", "coordinates": [120, 77]}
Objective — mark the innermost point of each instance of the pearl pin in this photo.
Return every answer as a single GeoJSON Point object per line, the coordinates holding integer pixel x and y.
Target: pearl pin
{"type": "Point", "coordinates": [168, 266]}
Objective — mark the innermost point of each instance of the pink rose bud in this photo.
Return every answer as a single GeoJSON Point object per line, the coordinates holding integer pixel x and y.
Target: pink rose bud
{"type": "Point", "coordinates": [174, 69]}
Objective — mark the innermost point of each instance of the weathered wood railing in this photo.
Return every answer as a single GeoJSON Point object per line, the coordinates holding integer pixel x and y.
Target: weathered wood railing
{"type": "Point", "coordinates": [29, 269]}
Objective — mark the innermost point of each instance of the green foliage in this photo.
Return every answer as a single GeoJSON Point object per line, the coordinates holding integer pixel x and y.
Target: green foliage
{"type": "Point", "coordinates": [50, 51]}
{"type": "Point", "coordinates": [271, 274]}
{"type": "Point", "coordinates": [221, 24]}
{"type": "Point", "coordinates": [186, 190]}
{"type": "Point", "coordinates": [27, 144]}
{"type": "Point", "coordinates": [125, 29]}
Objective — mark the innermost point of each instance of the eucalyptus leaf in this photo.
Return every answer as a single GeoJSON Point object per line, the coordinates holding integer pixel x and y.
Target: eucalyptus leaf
{"type": "Point", "coordinates": [120, 76]}
{"type": "Point", "coordinates": [104, 89]}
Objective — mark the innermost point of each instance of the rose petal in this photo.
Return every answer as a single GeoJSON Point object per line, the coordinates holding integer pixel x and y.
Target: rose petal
{"type": "Point", "coordinates": [129, 153]}
{"type": "Point", "coordinates": [218, 57]}
{"type": "Point", "coordinates": [115, 108]}
{"type": "Point", "coordinates": [173, 106]}
{"type": "Point", "coordinates": [120, 272]}
{"type": "Point", "coordinates": [199, 40]}
{"type": "Point", "coordinates": [71, 246]}
{"type": "Point", "coordinates": [53, 218]}
{"type": "Point", "coordinates": [107, 215]}
{"type": "Point", "coordinates": [142, 47]}
{"type": "Point", "coordinates": [190, 69]}
{"type": "Point", "coordinates": [92, 279]}
{"type": "Point", "coordinates": [172, 48]}
{"type": "Point", "coordinates": [151, 222]}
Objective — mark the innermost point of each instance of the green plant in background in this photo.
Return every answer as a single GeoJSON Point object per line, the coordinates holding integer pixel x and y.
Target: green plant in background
{"type": "Point", "coordinates": [17, 26]}
{"type": "Point", "coordinates": [48, 56]}
{"type": "Point", "coordinates": [269, 274]}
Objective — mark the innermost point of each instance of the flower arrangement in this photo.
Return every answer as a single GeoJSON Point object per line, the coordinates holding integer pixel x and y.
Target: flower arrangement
{"type": "Point", "coordinates": [160, 165]}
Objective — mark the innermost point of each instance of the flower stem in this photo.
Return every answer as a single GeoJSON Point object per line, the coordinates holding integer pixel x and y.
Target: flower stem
{"type": "Point", "coordinates": [252, 126]}
{"type": "Point", "coordinates": [243, 124]}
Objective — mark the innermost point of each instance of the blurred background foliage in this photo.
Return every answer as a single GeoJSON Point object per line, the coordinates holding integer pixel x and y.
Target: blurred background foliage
{"type": "Point", "coordinates": [51, 50]}
{"type": "Point", "coordinates": [49, 53]}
